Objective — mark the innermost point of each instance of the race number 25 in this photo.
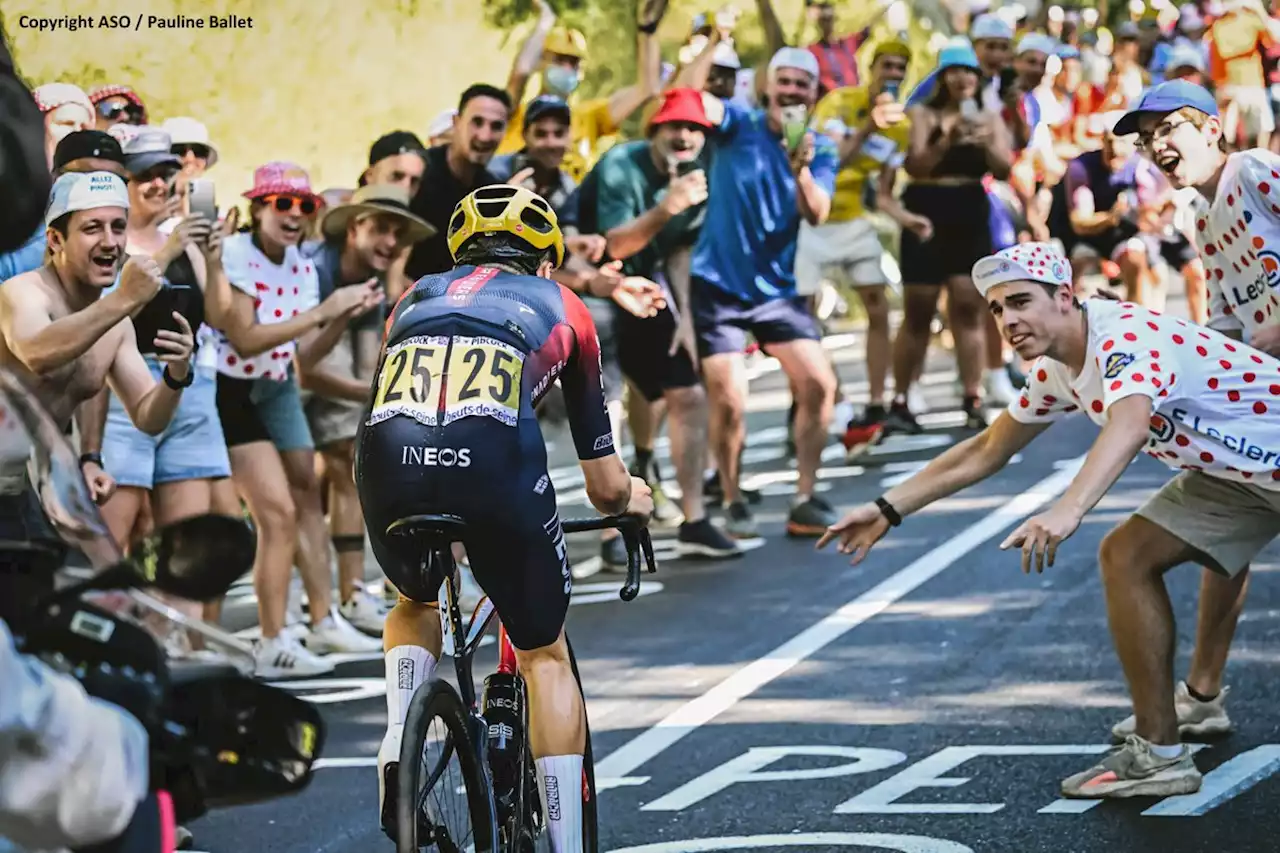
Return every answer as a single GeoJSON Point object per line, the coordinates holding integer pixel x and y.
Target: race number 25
{"type": "Point", "coordinates": [437, 380]}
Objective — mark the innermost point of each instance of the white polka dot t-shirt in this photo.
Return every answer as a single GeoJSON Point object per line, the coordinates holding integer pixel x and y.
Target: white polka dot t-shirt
{"type": "Point", "coordinates": [1215, 402]}
{"type": "Point", "coordinates": [280, 292]}
{"type": "Point", "coordinates": [1238, 236]}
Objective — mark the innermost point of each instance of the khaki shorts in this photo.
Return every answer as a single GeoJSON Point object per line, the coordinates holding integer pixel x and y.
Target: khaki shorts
{"type": "Point", "coordinates": [331, 420]}
{"type": "Point", "coordinates": [1227, 521]}
{"type": "Point", "coordinates": [845, 252]}
{"type": "Point", "coordinates": [1250, 106]}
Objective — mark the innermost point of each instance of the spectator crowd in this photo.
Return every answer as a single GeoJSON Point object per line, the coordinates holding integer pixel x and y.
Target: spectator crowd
{"type": "Point", "coordinates": [749, 203]}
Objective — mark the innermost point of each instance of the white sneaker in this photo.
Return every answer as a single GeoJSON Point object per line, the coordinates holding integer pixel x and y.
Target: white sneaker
{"type": "Point", "coordinates": [998, 388]}
{"type": "Point", "coordinates": [916, 402]}
{"type": "Point", "coordinates": [365, 613]}
{"type": "Point", "coordinates": [336, 634]}
{"type": "Point", "coordinates": [285, 657]}
{"type": "Point", "coordinates": [388, 764]}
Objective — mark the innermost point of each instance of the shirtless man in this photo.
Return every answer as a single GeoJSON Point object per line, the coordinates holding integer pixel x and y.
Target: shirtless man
{"type": "Point", "coordinates": [67, 341]}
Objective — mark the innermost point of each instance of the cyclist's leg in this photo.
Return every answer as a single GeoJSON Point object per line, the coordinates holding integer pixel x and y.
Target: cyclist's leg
{"type": "Point", "coordinates": [557, 738]}
{"type": "Point", "coordinates": [520, 560]}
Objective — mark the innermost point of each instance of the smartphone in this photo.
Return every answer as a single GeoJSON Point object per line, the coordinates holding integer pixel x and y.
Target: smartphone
{"type": "Point", "coordinates": [158, 313]}
{"type": "Point", "coordinates": [970, 109]}
{"type": "Point", "coordinates": [794, 123]}
{"type": "Point", "coordinates": [1008, 77]}
{"type": "Point", "coordinates": [892, 88]}
{"type": "Point", "coordinates": [200, 199]}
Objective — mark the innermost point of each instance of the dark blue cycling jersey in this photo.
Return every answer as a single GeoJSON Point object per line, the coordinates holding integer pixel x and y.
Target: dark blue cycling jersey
{"type": "Point", "coordinates": [451, 429]}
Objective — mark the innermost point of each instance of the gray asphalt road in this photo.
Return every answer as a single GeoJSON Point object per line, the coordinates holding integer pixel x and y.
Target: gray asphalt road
{"type": "Point", "coordinates": [929, 700]}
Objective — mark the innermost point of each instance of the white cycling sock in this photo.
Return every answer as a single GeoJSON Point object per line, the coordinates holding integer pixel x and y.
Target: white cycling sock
{"type": "Point", "coordinates": [407, 667]}
{"type": "Point", "coordinates": [560, 785]}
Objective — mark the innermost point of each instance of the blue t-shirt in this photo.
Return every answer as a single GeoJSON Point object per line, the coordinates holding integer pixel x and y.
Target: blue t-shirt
{"type": "Point", "coordinates": [748, 243]}
{"type": "Point", "coordinates": [25, 258]}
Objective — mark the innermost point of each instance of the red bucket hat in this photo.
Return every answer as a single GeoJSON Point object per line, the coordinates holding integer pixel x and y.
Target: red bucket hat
{"type": "Point", "coordinates": [681, 105]}
{"type": "Point", "coordinates": [282, 178]}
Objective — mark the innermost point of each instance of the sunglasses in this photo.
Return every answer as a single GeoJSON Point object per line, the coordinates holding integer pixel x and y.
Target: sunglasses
{"type": "Point", "coordinates": [290, 203]}
{"type": "Point", "coordinates": [165, 172]}
{"type": "Point", "coordinates": [112, 112]}
{"type": "Point", "coordinates": [201, 152]}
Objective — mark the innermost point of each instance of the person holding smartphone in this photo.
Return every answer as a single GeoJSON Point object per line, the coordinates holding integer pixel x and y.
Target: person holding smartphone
{"type": "Point", "coordinates": [179, 469]}
{"type": "Point", "coordinates": [954, 146]}
{"type": "Point", "coordinates": [870, 126]}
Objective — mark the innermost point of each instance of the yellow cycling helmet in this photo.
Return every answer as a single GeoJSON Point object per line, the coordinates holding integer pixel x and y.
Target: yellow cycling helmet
{"type": "Point", "coordinates": [563, 41]}
{"type": "Point", "coordinates": [506, 209]}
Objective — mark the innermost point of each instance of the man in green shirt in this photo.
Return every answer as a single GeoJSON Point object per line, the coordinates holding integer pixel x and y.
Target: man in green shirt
{"type": "Point", "coordinates": [646, 199]}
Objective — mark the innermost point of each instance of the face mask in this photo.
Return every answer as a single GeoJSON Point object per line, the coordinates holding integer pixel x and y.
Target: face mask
{"type": "Point", "coordinates": [560, 79]}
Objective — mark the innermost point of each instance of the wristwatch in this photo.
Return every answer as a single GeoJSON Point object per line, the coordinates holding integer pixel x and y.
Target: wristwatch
{"type": "Point", "coordinates": [95, 458]}
{"type": "Point", "coordinates": [175, 384]}
{"type": "Point", "coordinates": [886, 509]}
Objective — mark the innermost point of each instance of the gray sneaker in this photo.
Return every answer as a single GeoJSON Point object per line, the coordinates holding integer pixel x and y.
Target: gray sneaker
{"type": "Point", "coordinates": [739, 522]}
{"type": "Point", "coordinates": [1196, 719]}
{"type": "Point", "coordinates": [1133, 770]}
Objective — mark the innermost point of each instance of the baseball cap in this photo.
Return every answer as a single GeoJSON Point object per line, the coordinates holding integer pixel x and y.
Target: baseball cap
{"type": "Point", "coordinates": [1165, 98]}
{"type": "Point", "coordinates": [1023, 262]}
{"type": "Point", "coordinates": [724, 56]}
{"type": "Point", "coordinates": [184, 130]}
{"type": "Point", "coordinates": [546, 105]}
{"type": "Point", "coordinates": [794, 57]}
{"type": "Point", "coordinates": [394, 144]}
{"type": "Point", "coordinates": [147, 148]}
{"type": "Point", "coordinates": [1128, 30]}
{"type": "Point", "coordinates": [1037, 43]}
{"type": "Point", "coordinates": [1184, 56]}
{"type": "Point", "coordinates": [958, 55]}
{"type": "Point", "coordinates": [989, 27]}
{"type": "Point", "coordinates": [85, 191]}
{"type": "Point", "coordinates": [80, 144]}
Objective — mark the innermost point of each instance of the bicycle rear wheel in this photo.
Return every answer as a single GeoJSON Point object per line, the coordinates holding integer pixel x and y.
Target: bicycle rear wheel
{"type": "Point", "coordinates": [440, 779]}
{"type": "Point", "coordinates": [587, 790]}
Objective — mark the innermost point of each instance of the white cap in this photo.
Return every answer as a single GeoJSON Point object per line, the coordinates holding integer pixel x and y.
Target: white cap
{"type": "Point", "coordinates": [725, 56]}
{"type": "Point", "coordinates": [441, 124]}
{"type": "Point", "coordinates": [85, 191]}
{"type": "Point", "coordinates": [1037, 43]}
{"type": "Point", "coordinates": [794, 57]}
{"type": "Point", "coordinates": [989, 27]}
{"type": "Point", "coordinates": [188, 131]}
{"type": "Point", "coordinates": [1023, 262]}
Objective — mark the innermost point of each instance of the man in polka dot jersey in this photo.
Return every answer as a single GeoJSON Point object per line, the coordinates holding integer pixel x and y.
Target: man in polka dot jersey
{"type": "Point", "coordinates": [1191, 397]}
{"type": "Point", "coordinates": [1237, 214]}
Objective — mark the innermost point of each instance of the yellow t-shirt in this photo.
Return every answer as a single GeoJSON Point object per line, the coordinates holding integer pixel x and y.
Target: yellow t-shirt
{"type": "Point", "coordinates": [590, 121]}
{"type": "Point", "coordinates": [843, 111]}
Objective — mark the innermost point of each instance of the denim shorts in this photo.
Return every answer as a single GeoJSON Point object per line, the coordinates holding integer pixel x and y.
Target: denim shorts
{"type": "Point", "coordinates": [263, 410]}
{"type": "Point", "coordinates": [190, 448]}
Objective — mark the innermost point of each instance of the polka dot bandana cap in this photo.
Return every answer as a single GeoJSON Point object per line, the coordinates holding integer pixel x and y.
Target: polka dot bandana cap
{"type": "Point", "coordinates": [1023, 262]}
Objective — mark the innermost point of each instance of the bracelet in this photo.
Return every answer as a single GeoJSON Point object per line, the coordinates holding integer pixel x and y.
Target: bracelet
{"type": "Point", "coordinates": [175, 384]}
{"type": "Point", "coordinates": [648, 29]}
{"type": "Point", "coordinates": [886, 509]}
{"type": "Point", "coordinates": [95, 458]}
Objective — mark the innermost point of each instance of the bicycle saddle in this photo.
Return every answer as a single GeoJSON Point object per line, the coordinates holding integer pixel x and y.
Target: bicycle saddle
{"type": "Point", "coordinates": [438, 529]}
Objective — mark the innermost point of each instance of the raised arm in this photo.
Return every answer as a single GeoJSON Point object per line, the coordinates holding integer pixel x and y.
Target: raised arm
{"type": "Point", "coordinates": [43, 344]}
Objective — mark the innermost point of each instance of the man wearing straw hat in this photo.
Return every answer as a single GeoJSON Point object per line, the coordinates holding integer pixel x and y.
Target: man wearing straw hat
{"type": "Point", "coordinates": [362, 240]}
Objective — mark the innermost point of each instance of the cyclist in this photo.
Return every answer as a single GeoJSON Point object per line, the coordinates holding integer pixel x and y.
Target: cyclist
{"type": "Point", "coordinates": [451, 429]}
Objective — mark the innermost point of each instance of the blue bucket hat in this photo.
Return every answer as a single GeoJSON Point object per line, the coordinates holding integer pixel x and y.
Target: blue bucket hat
{"type": "Point", "coordinates": [1164, 99]}
{"type": "Point", "coordinates": [958, 55]}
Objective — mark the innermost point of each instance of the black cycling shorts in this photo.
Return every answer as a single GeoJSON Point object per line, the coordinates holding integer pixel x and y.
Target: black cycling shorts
{"type": "Point", "coordinates": [495, 478]}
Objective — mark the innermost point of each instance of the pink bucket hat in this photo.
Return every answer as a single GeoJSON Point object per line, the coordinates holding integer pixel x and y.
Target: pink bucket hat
{"type": "Point", "coordinates": [282, 178]}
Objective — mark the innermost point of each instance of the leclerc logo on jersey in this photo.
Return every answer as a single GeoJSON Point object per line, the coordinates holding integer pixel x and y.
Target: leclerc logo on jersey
{"type": "Point", "coordinates": [1161, 428]}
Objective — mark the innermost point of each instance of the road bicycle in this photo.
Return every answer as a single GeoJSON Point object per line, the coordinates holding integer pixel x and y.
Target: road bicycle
{"type": "Point", "coordinates": [495, 781]}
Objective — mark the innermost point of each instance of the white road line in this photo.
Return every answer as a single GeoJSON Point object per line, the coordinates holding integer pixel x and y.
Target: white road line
{"type": "Point", "coordinates": [696, 713]}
